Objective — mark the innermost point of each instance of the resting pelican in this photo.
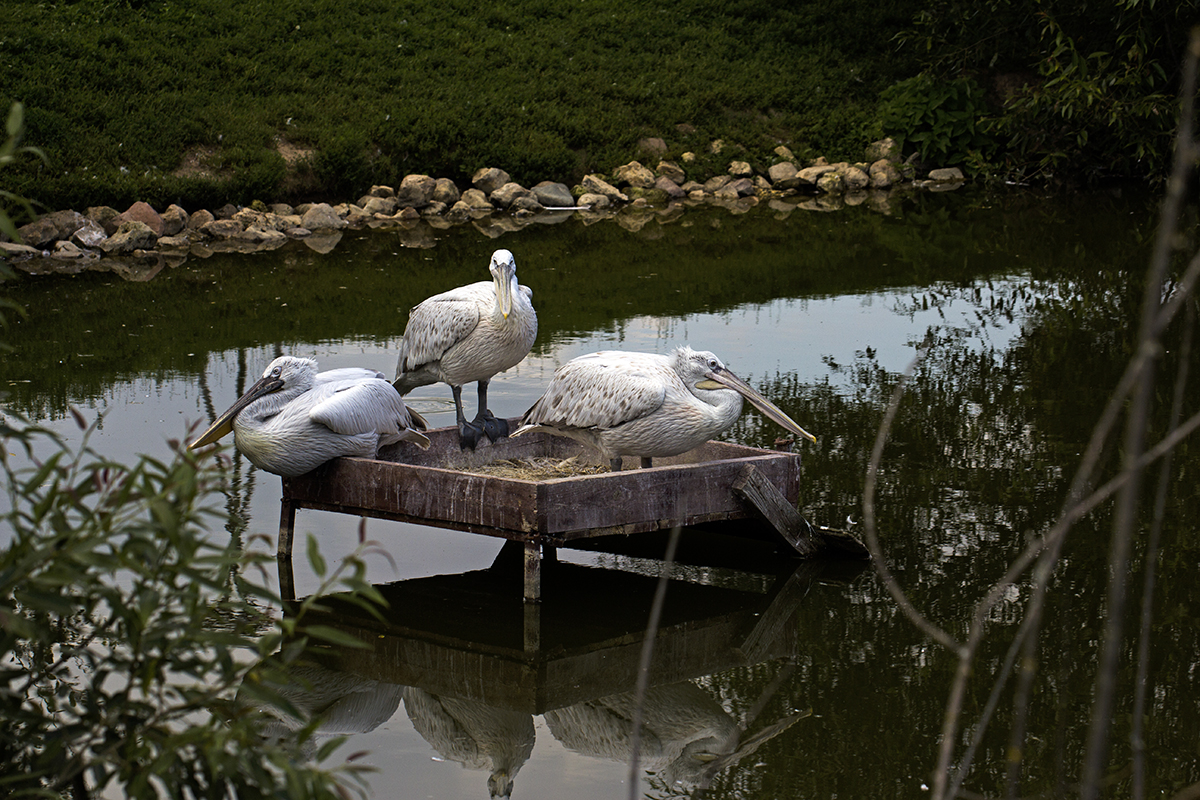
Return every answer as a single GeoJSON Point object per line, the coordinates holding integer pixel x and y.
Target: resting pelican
{"type": "Point", "coordinates": [470, 334]}
{"type": "Point", "coordinates": [643, 404]}
{"type": "Point", "coordinates": [294, 418]}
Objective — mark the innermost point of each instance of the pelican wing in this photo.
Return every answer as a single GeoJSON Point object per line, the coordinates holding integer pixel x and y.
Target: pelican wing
{"type": "Point", "coordinates": [347, 374]}
{"type": "Point", "coordinates": [442, 321]}
{"type": "Point", "coordinates": [352, 407]}
{"type": "Point", "coordinates": [602, 390]}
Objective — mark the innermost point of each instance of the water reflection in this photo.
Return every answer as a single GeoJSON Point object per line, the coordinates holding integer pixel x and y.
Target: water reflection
{"type": "Point", "coordinates": [475, 666]}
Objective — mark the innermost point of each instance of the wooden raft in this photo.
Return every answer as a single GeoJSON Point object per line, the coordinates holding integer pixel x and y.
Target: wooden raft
{"type": "Point", "coordinates": [715, 482]}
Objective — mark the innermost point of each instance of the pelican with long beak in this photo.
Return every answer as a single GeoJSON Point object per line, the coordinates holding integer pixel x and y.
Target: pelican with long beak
{"type": "Point", "coordinates": [470, 334]}
{"type": "Point", "coordinates": [294, 419]}
{"type": "Point", "coordinates": [646, 405]}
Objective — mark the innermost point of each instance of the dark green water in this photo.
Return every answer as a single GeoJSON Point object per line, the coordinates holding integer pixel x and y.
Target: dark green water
{"type": "Point", "coordinates": [1028, 308]}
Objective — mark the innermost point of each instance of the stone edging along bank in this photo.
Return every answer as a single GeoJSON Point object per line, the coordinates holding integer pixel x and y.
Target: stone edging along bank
{"type": "Point", "coordinates": [138, 240]}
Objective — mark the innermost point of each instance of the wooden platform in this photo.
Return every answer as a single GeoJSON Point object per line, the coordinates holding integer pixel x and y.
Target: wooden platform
{"type": "Point", "coordinates": [714, 483]}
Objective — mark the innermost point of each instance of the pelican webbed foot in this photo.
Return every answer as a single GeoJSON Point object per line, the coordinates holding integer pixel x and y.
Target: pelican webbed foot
{"type": "Point", "coordinates": [493, 427]}
{"type": "Point", "coordinates": [470, 434]}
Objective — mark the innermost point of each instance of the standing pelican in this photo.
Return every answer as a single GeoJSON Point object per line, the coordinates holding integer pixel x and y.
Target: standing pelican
{"type": "Point", "coordinates": [294, 418]}
{"type": "Point", "coordinates": [474, 734]}
{"type": "Point", "coordinates": [470, 334]}
{"type": "Point", "coordinates": [643, 404]}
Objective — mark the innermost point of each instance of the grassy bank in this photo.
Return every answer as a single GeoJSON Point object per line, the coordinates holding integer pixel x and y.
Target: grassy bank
{"type": "Point", "coordinates": [210, 101]}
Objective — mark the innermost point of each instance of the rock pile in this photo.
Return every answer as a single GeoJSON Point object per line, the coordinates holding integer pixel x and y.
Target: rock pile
{"type": "Point", "coordinates": [103, 232]}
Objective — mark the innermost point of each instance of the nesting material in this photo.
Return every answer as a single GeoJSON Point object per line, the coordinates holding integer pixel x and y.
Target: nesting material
{"type": "Point", "coordinates": [537, 468]}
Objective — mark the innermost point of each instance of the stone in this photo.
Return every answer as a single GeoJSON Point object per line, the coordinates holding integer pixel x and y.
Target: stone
{"type": "Point", "coordinates": [221, 228]}
{"type": "Point", "coordinates": [445, 191]}
{"type": "Point", "coordinates": [830, 182]}
{"type": "Point", "coordinates": [489, 179]}
{"type": "Point", "coordinates": [90, 234]}
{"type": "Point", "coordinates": [594, 201]}
{"type": "Point", "coordinates": [435, 209]}
{"type": "Point", "coordinates": [634, 174]}
{"type": "Point", "coordinates": [946, 174]}
{"type": "Point", "coordinates": [810, 176]}
{"type": "Point", "coordinates": [554, 195]}
{"type": "Point", "coordinates": [671, 171]}
{"type": "Point", "coordinates": [143, 212]}
{"type": "Point", "coordinates": [198, 220]}
{"type": "Point", "coordinates": [380, 205]}
{"type": "Point", "coordinates": [854, 179]}
{"type": "Point", "coordinates": [415, 191]}
{"type": "Point", "coordinates": [669, 187]}
{"type": "Point", "coordinates": [226, 211]}
{"type": "Point", "coordinates": [507, 194]}
{"type": "Point", "coordinates": [785, 153]}
{"type": "Point", "coordinates": [883, 173]}
{"type": "Point", "coordinates": [459, 212]}
{"type": "Point", "coordinates": [14, 251]}
{"type": "Point", "coordinates": [652, 146]}
{"type": "Point", "coordinates": [132, 235]}
{"type": "Point", "coordinates": [104, 216]}
{"type": "Point", "coordinates": [321, 216]}
{"type": "Point", "coordinates": [282, 209]}
{"type": "Point", "coordinates": [594, 184]}
{"type": "Point", "coordinates": [477, 200]}
{"type": "Point", "coordinates": [65, 249]}
{"type": "Point", "coordinates": [174, 220]}
{"type": "Point", "coordinates": [740, 169]}
{"type": "Point", "coordinates": [39, 234]}
{"type": "Point", "coordinates": [884, 149]}
{"type": "Point", "coordinates": [527, 203]}
{"type": "Point", "coordinates": [382, 191]}
{"type": "Point", "coordinates": [716, 182]}
{"type": "Point", "coordinates": [782, 173]}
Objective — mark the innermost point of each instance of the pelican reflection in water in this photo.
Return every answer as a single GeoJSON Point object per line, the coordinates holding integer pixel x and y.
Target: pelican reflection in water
{"type": "Point", "coordinates": [294, 418]}
{"type": "Point", "coordinates": [470, 334]}
{"type": "Point", "coordinates": [474, 734]}
{"type": "Point", "coordinates": [646, 405]}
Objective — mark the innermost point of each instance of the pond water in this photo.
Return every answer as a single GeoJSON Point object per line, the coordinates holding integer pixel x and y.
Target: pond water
{"type": "Point", "coordinates": [773, 677]}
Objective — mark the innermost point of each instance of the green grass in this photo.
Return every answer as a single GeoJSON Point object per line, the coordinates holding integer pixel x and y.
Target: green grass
{"type": "Point", "coordinates": [117, 93]}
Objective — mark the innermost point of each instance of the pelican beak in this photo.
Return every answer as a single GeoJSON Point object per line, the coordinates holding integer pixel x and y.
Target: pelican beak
{"type": "Point", "coordinates": [224, 423]}
{"type": "Point", "coordinates": [724, 379]}
{"type": "Point", "coordinates": [504, 272]}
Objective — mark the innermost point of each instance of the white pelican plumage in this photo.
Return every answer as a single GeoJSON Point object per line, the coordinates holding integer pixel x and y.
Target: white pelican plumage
{"type": "Point", "coordinates": [294, 419]}
{"type": "Point", "coordinates": [643, 404]}
{"type": "Point", "coordinates": [474, 734]}
{"type": "Point", "coordinates": [470, 334]}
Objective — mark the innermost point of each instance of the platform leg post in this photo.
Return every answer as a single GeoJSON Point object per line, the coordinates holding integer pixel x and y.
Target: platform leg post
{"type": "Point", "coordinates": [533, 572]}
{"type": "Point", "coordinates": [287, 526]}
{"type": "Point", "coordinates": [533, 628]}
{"type": "Point", "coordinates": [287, 579]}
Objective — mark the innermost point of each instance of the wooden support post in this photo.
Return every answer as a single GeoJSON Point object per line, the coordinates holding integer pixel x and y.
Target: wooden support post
{"type": "Point", "coordinates": [287, 526]}
{"type": "Point", "coordinates": [533, 572]}
{"type": "Point", "coordinates": [287, 579]}
{"type": "Point", "coordinates": [768, 501]}
{"type": "Point", "coordinates": [807, 539]}
{"type": "Point", "coordinates": [533, 628]}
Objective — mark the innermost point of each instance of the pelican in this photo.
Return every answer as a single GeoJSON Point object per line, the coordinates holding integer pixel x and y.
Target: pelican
{"type": "Point", "coordinates": [643, 404]}
{"type": "Point", "coordinates": [469, 334]}
{"type": "Point", "coordinates": [474, 734]}
{"type": "Point", "coordinates": [294, 418]}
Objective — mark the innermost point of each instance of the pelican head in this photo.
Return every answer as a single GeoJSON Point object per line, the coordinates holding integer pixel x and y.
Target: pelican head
{"type": "Point", "coordinates": [500, 785]}
{"type": "Point", "coordinates": [706, 373]}
{"type": "Point", "coordinates": [504, 273]}
{"type": "Point", "coordinates": [284, 372]}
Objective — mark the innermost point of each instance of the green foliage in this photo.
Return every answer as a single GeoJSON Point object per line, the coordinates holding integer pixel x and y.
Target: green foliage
{"type": "Point", "coordinates": [1078, 91]}
{"type": "Point", "coordinates": [945, 120]}
{"type": "Point", "coordinates": [135, 652]}
{"type": "Point", "coordinates": [546, 91]}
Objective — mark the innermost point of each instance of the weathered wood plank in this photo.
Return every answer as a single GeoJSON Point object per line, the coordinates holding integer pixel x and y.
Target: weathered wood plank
{"type": "Point", "coordinates": [776, 510]}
